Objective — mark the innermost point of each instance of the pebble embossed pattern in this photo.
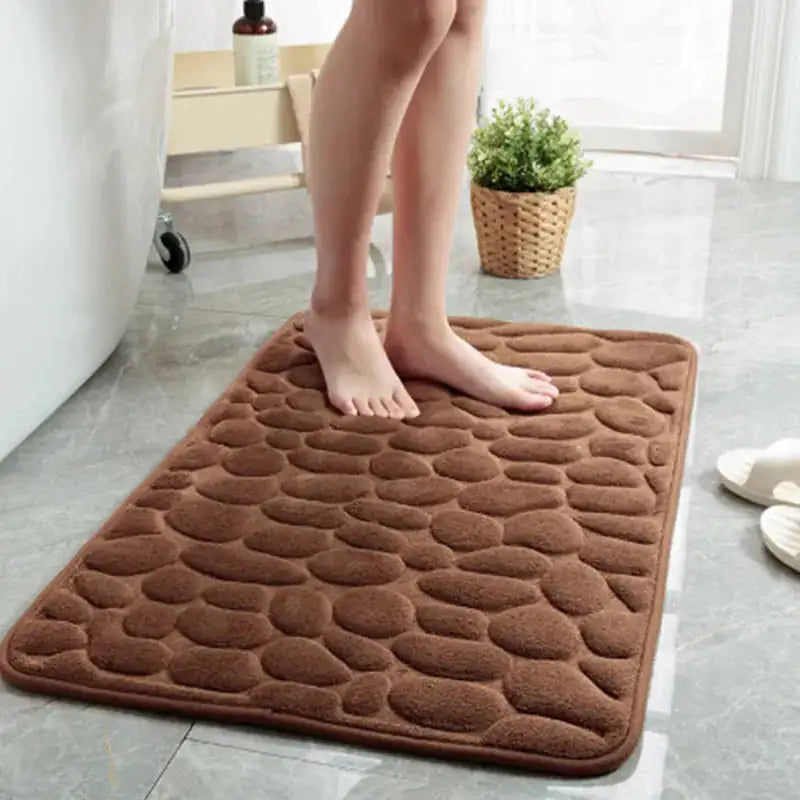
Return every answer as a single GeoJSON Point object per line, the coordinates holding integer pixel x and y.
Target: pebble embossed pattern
{"type": "Point", "coordinates": [472, 583]}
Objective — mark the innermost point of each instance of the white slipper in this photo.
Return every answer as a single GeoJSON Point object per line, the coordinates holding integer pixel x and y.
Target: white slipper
{"type": "Point", "coordinates": [780, 532]}
{"type": "Point", "coordinates": [767, 476]}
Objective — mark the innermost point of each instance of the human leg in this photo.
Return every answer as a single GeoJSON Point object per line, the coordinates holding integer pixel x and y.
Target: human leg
{"type": "Point", "coordinates": [359, 103]}
{"type": "Point", "coordinates": [428, 165]}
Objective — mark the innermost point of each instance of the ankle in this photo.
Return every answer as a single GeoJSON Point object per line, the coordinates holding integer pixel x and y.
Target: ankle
{"type": "Point", "coordinates": [339, 306]}
{"type": "Point", "coordinates": [416, 327]}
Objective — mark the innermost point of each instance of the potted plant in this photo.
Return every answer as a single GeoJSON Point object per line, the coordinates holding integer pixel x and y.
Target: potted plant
{"type": "Point", "coordinates": [524, 164]}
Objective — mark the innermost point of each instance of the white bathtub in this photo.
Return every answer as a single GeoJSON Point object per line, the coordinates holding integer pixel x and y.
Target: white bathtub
{"type": "Point", "coordinates": [83, 100]}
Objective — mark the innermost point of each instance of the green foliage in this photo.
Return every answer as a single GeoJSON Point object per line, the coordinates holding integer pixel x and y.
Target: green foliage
{"type": "Point", "coordinates": [523, 149]}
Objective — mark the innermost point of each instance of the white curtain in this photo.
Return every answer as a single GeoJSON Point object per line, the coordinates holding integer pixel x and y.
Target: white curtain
{"type": "Point", "coordinates": [617, 63]}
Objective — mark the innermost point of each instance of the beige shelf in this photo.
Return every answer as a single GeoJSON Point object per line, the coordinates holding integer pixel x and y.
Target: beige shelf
{"type": "Point", "coordinates": [213, 120]}
{"type": "Point", "coordinates": [211, 114]}
{"type": "Point", "coordinates": [210, 191]}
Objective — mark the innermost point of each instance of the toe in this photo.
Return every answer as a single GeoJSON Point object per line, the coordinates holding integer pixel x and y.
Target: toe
{"type": "Point", "coordinates": [344, 404]}
{"type": "Point", "coordinates": [540, 387]}
{"type": "Point", "coordinates": [539, 376]}
{"type": "Point", "coordinates": [393, 408]}
{"type": "Point", "coordinates": [378, 409]}
{"type": "Point", "coordinates": [404, 400]}
{"type": "Point", "coordinates": [530, 401]}
{"type": "Point", "coordinates": [362, 406]}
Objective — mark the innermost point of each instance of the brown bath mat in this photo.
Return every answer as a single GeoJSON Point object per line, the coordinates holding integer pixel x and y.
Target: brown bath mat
{"type": "Point", "coordinates": [471, 584]}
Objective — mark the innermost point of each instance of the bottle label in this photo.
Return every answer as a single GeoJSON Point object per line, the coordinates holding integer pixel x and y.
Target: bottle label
{"type": "Point", "coordinates": [256, 59]}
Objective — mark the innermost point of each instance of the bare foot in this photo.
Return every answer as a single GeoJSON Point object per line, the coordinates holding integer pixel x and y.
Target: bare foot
{"type": "Point", "coordinates": [357, 372]}
{"type": "Point", "coordinates": [447, 358]}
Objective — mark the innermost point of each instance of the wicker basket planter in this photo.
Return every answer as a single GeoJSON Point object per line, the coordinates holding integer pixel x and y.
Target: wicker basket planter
{"type": "Point", "coordinates": [521, 234]}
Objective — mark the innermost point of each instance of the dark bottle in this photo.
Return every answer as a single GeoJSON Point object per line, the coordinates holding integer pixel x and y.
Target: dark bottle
{"type": "Point", "coordinates": [255, 46]}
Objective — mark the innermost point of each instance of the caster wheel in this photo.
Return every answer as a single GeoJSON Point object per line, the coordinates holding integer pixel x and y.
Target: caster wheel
{"type": "Point", "coordinates": [175, 254]}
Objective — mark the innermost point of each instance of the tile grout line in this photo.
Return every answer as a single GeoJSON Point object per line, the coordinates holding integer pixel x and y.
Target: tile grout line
{"type": "Point", "coordinates": [170, 306]}
{"type": "Point", "coordinates": [160, 775]}
{"type": "Point", "coordinates": [379, 770]}
{"type": "Point", "coordinates": [298, 759]}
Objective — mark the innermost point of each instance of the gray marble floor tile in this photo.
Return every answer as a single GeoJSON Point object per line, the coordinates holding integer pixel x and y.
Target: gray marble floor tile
{"type": "Point", "coordinates": [207, 772]}
{"type": "Point", "coordinates": [266, 280]}
{"type": "Point", "coordinates": [641, 778]}
{"type": "Point", "coordinates": [37, 541]}
{"type": "Point", "coordinates": [69, 751]}
{"type": "Point", "coordinates": [203, 771]}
